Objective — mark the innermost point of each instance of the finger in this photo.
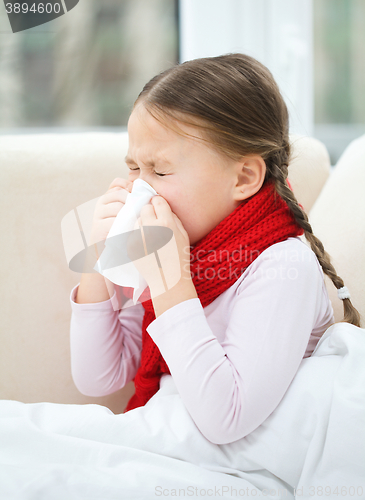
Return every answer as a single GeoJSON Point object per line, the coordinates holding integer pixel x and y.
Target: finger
{"type": "Point", "coordinates": [118, 195]}
{"type": "Point", "coordinates": [180, 226]}
{"type": "Point", "coordinates": [178, 222]}
{"type": "Point", "coordinates": [147, 214]}
{"type": "Point", "coordinates": [162, 209]}
{"type": "Point", "coordinates": [121, 183]}
{"type": "Point", "coordinates": [110, 210]}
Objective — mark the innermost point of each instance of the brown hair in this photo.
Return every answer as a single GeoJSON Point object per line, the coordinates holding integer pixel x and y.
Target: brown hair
{"type": "Point", "coordinates": [235, 102]}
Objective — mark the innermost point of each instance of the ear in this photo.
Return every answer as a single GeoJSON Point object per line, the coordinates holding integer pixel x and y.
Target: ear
{"type": "Point", "coordinates": [250, 175]}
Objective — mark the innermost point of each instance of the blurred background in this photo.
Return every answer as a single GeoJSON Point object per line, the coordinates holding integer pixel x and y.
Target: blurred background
{"type": "Point", "coordinates": [84, 70]}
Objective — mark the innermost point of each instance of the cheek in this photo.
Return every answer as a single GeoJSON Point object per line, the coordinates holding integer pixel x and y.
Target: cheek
{"type": "Point", "coordinates": [188, 202]}
{"type": "Point", "coordinates": [189, 211]}
{"type": "Point", "coordinates": [179, 203]}
{"type": "Point", "coordinates": [172, 194]}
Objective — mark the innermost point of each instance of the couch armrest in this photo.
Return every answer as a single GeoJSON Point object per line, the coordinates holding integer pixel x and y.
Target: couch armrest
{"type": "Point", "coordinates": [43, 177]}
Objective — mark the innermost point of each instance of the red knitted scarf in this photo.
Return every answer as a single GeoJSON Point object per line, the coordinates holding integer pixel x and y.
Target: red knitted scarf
{"type": "Point", "coordinates": [256, 224]}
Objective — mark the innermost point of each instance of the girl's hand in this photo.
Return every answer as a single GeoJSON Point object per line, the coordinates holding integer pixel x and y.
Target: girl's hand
{"type": "Point", "coordinates": [108, 207]}
{"type": "Point", "coordinates": [174, 256]}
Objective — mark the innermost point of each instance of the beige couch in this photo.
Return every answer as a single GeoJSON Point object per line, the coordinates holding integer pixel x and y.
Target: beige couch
{"type": "Point", "coordinates": [43, 177]}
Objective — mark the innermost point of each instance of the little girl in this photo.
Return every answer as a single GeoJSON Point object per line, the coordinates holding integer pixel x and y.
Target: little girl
{"type": "Point", "coordinates": [211, 137]}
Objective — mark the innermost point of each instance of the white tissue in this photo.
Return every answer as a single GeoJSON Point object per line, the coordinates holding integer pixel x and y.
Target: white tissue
{"type": "Point", "coordinates": [127, 274]}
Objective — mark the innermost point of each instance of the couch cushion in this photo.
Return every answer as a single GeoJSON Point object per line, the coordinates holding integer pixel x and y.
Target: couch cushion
{"type": "Point", "coordinates": [309, 169]}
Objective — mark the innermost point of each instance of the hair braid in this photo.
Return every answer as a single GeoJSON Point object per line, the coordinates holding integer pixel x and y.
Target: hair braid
{"type": "Point", "coordinates": [279, 175]}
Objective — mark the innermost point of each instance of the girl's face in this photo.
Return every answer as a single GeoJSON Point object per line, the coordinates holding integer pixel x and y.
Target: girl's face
{"type": "Point", "coordinates": [198, 183]}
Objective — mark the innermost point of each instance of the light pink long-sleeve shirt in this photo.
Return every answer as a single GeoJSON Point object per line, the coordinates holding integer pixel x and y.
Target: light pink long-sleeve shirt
{"type": "Point", "coordinates": [232, 361]}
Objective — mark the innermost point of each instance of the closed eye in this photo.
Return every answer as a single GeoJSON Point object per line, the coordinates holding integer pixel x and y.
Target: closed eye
{"type": "Point", "coordinates": [134, 169]}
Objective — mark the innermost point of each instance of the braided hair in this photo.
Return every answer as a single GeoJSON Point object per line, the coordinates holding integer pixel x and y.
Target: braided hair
{"type": "Point", "coordinates": [278, 172]}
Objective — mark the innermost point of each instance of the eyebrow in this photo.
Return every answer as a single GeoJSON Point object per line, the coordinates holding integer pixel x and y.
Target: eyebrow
{"type": "Point", "coordinates": [149, 163]}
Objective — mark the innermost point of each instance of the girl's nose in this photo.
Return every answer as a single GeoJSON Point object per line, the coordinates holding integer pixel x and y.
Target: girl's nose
{"type": "Point", "coordinates": [146, 176]}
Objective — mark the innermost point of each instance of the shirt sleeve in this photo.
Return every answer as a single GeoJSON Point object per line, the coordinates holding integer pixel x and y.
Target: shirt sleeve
{"type": "Point", "coordinates": [230, 388]}
{"type": "Point", "coordinates": [105, 345]}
